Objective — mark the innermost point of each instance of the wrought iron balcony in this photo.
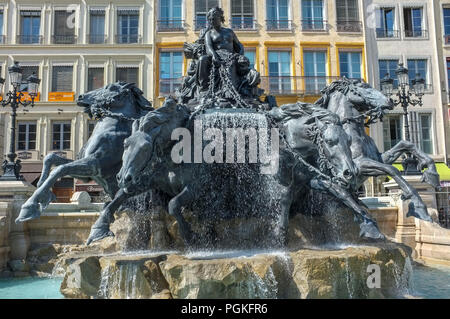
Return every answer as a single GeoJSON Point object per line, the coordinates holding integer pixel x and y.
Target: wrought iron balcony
{"type": "Point", "coordinates": [279, 25]}
{"type": "Point", "coordinates": [97, 38]}
{"type": "Point", "coordinates": [29, 39]}
{"type": "Point", "coordinates": [314, 25]}
{"type": "Point", "coordinates": [383, 33]}
{"type": "Point", "coordinates": [167, 25]}
{"type": "Point", "coordinates": [169, 86]}
{"type": "Point", "coordinates": [128, 39]}
{"type": "Point", "coordinates": [295, 85]}
{"type": "Point", "coordinates": [243, 23]}
{"type": "Point", "coordinates": [64, 39]}
{"type": "Point", "coordinates": [447, 39]}
{"type": "Point", "coordinates": [349, 26]}
{"type": "Point", "coordinates": [416, 33]}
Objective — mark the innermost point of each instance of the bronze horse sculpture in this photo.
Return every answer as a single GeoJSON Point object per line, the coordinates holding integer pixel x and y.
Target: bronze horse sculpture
{"type": "Point", "coordinates": [312, 133]}
{"type": "Point", "coordinates": [352, 101]}
{"type": "Point", "coordinates": [116, 106]}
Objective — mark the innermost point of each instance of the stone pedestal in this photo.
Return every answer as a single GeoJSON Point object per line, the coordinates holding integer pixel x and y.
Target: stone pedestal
{"type": "Point", "coordinates": [12, 196]}
{"type": "Point", "coordinates": [406, 226]}
{"type": "Point", "coordinates": [5, 217]}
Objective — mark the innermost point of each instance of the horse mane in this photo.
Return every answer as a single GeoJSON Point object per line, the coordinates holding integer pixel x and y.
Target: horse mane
{"type": "Point", "coordinates": [341, 85]}
{"type": "Point", "coordinates": [144, 105]}
{"type": "Point", "coordinates": [299, 109]}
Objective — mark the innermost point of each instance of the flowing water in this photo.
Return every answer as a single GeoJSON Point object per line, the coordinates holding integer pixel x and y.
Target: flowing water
{"type": "Point", "coordinates": [427, 282]}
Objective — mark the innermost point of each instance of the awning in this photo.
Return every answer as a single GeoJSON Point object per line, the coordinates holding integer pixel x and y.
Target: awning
{"type": "Point", "coordinates": [442, 169]}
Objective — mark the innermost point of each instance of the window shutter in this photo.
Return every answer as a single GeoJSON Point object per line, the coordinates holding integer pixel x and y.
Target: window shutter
{"type": "Point", "coordinates": [62, 79]}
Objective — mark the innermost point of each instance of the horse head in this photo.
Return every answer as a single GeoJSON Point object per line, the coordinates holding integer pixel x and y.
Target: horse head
{"type": "Point", "coordinates": [115, 98]}
{"type": "Point", "coordinates": [149, 142]}
{"type": "Point", "coordinates": [359, 95]}
{"type": "Point", "coordinates": [333, 147]}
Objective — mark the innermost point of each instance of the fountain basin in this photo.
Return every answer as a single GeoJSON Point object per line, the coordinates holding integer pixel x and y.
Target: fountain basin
{"type": "Point", "coordinates": [304, 273]}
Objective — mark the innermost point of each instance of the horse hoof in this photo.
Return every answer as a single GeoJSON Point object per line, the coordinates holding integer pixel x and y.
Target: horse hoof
{"type": "Point", "coordinates": [47, 199]}
{"type": "Point", "coordinates": [431, 178]}
{"type": "Point", "coordinates": [28, 212]}
{"type": "Point", "coordinates": [98, 234]}
{"type": "Point", "coordinates": [371, 231]}
{"type": "Point", "coordinates": [418, 212]}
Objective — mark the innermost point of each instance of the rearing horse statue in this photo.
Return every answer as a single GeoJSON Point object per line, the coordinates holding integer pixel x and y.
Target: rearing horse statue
{"type": "Point", "coordinates": [116, 106]}
{"type": "Point", "coordinates": [352, 101]}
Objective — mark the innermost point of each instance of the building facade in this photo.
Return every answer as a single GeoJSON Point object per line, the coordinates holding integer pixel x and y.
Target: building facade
{"type": "Point", "coordinates": [298, 46]}
{"type": "Point", "coordinates": [409, 32]}
{"type": "Point", "coordinates": [74, 47]}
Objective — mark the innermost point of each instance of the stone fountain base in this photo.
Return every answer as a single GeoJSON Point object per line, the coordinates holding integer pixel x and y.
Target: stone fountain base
{"type": "Point", "coordinates": [304, 273]}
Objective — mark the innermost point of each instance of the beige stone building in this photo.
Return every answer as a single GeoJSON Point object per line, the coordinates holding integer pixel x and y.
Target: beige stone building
{"type": "Point", "coordinates": [73, 46]}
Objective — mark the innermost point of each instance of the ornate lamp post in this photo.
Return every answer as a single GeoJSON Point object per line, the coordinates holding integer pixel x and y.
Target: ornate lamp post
{"type": "Point", "coordinates": [406, 95]}
{"type": "Point", "coordinates": [11, 167]}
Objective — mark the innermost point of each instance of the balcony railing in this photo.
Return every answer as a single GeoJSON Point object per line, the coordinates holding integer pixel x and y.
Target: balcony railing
{"type": "Point", "coordinates": [279, 25]}
{"type": "Point", "coordinates": [128, 39]}
{"type": "Point", "coordinates": [169, 86]}
{"type": "Point", "coordinates": [382, 33]}
{"type": "Point", "coordinates": [447, 39]}
{"type": "Point", "coordinates": [349, 26]}
{"type": "Point", "coordinates": [416, 33]}
{"type": "Point", "coordinates": [29, 39]}
{"type": "Point", "coordinates": [97, 38]}
{"type": "Point", "coordinates": [64, 39]}
{"type": "Point", "coordinates": [295, 85]}
{"type": "Point", "coordinates": [243, 23]}
{"type": "Point", "coordinates": [314, 25]}
{"type": "Point", "coordinates": [166, 25]}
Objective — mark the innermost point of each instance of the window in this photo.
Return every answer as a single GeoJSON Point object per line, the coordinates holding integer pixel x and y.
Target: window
{"type": "Point", "coordinates": [278, 15]}
{"type": "Point", "coordinates": [170, 15]}
{"type": "Point", "coordinates": [27, 71]}
{"type": "Point", "coordinates": [26, 136]}
{"type": "Point", "coordinates": [64, 32]}
{"type": "Point", "coordinates": [448, 74]}
{"type": "Point", "coordinates": [128, 26]}
{"type": "Point", "coordinates": [280, 71]}
{"type": "Point", "coordinates": [128, 74]}
{"type": "Point", "coordinates": [350, 64]}
{"type": "Point", "coordinates": [62, 77]}
{"type": "Point", "coordinates": [170, 71]}
{"type": "Point", "coordinates": [61, 136]}
{"type": "Point", "coordinates": [392, 131]}
{"type": "Point", "coordinates": [312, 15]}
{"type": "Point", "coordinates": [251, 55]}
{"type": "Point", "coordinates": [426, 142]}
{"type": "Point", "coordinates": [2, 36]}
{"type": "Point", "coordinates": [91, 127]}
{"type": "Point", "coordinates": [446, 13]}
{"type": "Point", "coordinates": [97, 27]}
{"type": "Point", "coordinates": [30, 25]}
{"type": "Point", "coordinates": [95, 78]}
{"type": "Point", "coordinates": [201, 9]}
{"type": "Point", "coordinates": [388, 67]}
{"type": "Point", "coordinates": [242, 14]}
{"type": "Point", "coordinates": [348, 16]}
{"type": "Point", "coordinates": [315, 71]}
{"type": "Point", "coordinates": [417, 66]}
{"type": "Point", "coordinates": [385, 23]}
{"type": "Point", "coordinates": [413, 22]}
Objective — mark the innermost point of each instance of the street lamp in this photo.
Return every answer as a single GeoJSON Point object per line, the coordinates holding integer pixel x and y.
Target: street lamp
{"type": "Point", "coordinates": [11, 167]}
{"type": "Point", "coordinates": [405, 94]}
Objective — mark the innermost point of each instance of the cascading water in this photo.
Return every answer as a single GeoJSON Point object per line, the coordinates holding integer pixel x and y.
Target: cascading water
{"type": "Point", "coordinates": [242, 207]}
